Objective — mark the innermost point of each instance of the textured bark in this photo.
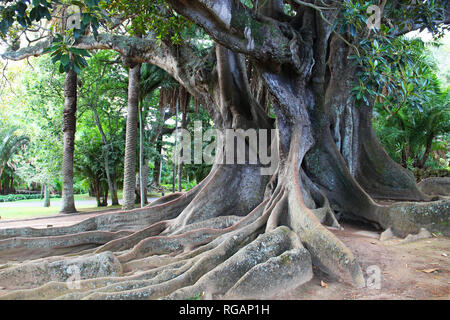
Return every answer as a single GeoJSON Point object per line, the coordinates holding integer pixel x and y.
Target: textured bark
{"type": "Point", "coordinates": [157, 168]}
{"type": "Point", "coordinates": [46, 196]}
{"type": "Point", "coordinates": [69, 128]}
{"type": "Point", "coordinates": [129, 180]}
{"type": "Point", "coordinates": [143, 172]}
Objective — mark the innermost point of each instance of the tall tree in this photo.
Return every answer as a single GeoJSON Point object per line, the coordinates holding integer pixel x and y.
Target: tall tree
{"type": "Point", "coordinates": [69, 129]}
{"type": "Point", "coordinates": [129, 180]}
{"type": "Point", "coordinates": [10, 143]}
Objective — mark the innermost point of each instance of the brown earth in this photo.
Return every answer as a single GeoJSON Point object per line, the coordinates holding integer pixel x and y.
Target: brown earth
{"type": "Point", "coordinates": [413, 270]}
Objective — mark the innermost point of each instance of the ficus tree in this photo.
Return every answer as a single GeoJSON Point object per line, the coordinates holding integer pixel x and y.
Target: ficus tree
{"type": "Point", "coordinates": [239, 233]}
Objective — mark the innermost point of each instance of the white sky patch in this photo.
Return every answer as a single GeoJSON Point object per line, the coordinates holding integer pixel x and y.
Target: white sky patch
{"type": "Point", "coordinates": [248, 36]}
{"type": "Point", "coordinates": [223, 11]}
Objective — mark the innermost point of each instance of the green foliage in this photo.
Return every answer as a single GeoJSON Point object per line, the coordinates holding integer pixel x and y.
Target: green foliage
{"type": "Point", "coordinates": [26, 13]}
{"type": "Point", "coordinates": [394, 72]}
{"type": "Point", "coordinates": [19, 197]}
{"type": "Point", "coordinates": [70, 58]}
{"type": "Point", "coordinates": [149, 16]}
{"type": "Point", "coordinates": [408, 133]}
{"type": "Point", "coordinates": [38, 111]}
{"type": "Point", "coordinates": [386, 63]}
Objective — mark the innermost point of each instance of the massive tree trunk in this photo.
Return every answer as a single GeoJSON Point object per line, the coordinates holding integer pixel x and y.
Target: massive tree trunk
{"type": "Point", "coordinates": [129, 180]}
{"type": "Point", "coordinates": [69, 128]}
{"type": "Point", "coordinates": [239, 233]}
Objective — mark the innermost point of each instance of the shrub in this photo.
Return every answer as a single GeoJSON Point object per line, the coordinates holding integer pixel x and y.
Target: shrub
{"type": "Point", "coordinates": [18, 197]}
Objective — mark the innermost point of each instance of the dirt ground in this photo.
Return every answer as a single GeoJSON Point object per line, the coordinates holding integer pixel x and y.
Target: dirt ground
{"type": "Point", "coordinates": [414, 270]}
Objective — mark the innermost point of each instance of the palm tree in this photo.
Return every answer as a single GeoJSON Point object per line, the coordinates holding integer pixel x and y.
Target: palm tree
{"type": "Point", "coordinates": [143, 80]}
{"type": "Point", "coordinates": [10, 143]}
{"type": "Point", "coordinates": [429, 125]}
{"type": "Point", "coordinates": [129, 180]}
{"type": "Point", "coordinates": [151, 78]}
{"type": "Point", "coordinates": [411, 134]}
{"type": "Point", "coordinates": [61, 23]}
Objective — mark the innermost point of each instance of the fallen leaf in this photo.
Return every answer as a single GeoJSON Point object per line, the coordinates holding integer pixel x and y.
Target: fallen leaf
{"type": "Point", "coordinates": [429, 270]}
{"type": "Point", "coordinates": [323, 284]}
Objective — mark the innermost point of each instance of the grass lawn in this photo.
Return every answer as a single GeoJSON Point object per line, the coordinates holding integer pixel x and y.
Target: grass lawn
{"type": "Point", "coordinates": [27, 211]}
{"type": "Point", "coordinates": [35, 212]}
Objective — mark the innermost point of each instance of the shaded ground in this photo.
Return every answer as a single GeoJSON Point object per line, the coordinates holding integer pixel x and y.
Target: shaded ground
{"type": "Point", "coordinates": [402, 267]}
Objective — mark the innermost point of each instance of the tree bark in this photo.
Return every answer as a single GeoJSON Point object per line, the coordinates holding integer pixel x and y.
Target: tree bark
{"type": "Point", "coordinates": [69, 128]}
{"type": "Point", "coordinates": [46, 196]}
{"type": "Point", "coordinates": [129, 180]}
{"type": "Point", "coordinates": [142, 181]}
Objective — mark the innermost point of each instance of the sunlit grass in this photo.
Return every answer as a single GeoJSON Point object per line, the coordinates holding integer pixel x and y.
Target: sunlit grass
{"type": "Point", "coordinates": [35, 212]}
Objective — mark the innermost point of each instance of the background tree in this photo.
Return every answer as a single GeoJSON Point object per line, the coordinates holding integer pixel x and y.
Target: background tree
{"type": "Point", "coordinates": [10, 143]}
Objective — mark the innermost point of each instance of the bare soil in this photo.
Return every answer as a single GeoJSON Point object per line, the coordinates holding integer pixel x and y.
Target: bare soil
{"type": "Point", "coordinates": [413, 270]}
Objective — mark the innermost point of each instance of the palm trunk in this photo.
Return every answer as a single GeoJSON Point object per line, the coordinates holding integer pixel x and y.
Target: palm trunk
{"type": "Point", "coordinates": [180, 165]}
{"type": "Point", "coordinates": [69, 128]}
{"type": "Point", "coordinates": [141, 159]}
{"type": "Point", "coordinates": [46, 196]}
{"type": "Point", "coordinates": [427, 151]}
{"type": "Point", "coordinates": [129, 181]}
{"type": "Point", "coordinates": [175, 152]}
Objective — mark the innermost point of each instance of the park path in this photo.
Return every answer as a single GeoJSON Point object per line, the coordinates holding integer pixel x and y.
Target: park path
{"type": "Point", "coordinates": [53, 203]}
{"type": "Point", "coordinates": [57, 220]}
{"type": "Point", "coordinates": [60, 220]}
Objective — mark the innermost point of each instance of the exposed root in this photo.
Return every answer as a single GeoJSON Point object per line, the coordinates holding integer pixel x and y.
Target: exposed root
{"type": "Point", "coordinates": [38, 273]}
{"type": "Point", "coordinates": [90, 237]}
{"type": "Point", "coordinates": [222, 278]}
{"type": "Point", "coordinates": [222, 255]}
{"type": "Point", "coordinates": [409, 217]}
{"type": "Point", "coordinates": [130, 240]}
